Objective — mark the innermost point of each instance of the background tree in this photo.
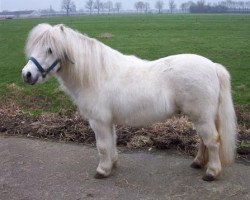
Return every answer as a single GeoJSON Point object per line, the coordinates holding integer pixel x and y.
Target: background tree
{"type": "Point", "coordinates": [159, 6]}
{"type": "Point", "coordinates": [146, 7]}
{"type": "Point", "coordinates": [186, 6]}
{"type": "Point", "coordinates": [235, 6]}
{"type": "Point", "coordinates": [171, 5]}
{"type": "Point", "coordinates": [73, 8]}
{"type": "Point", "coordinates": [118, 6]}
{"type": "Point", "coordinates": [68, 6]}
{"type": "Point", "coordinates": [89, 5]}
{"type": "Point", "coordinates": [98, 5]}
{"type": "Point", "coordinates": [139, 5]}
{"type": "Point", "coordinates": [202, 7]}
{"type": "Point", "coordinates": [102, 6]}
{"type": "Point", "coordinates": [109, 6]}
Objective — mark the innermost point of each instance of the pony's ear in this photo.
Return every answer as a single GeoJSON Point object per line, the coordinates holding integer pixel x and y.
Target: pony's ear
{"type": "Point", "coordinates": [62, 27]}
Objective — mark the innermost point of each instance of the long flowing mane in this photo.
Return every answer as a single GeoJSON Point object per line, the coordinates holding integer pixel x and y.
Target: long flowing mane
{"type": "Point", "coordinates": [88, 60]}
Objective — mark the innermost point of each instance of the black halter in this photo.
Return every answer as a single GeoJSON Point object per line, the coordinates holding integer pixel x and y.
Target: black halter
{"type": "Point", "coordinates": [40, 68]}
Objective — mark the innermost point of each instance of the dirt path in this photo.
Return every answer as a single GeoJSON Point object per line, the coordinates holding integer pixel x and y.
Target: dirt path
{"type": "Point", "coordinates": [35, 169]}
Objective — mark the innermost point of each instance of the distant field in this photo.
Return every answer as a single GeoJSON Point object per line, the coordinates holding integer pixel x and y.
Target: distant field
{"type": "Point", "coordinates": [222, 38]}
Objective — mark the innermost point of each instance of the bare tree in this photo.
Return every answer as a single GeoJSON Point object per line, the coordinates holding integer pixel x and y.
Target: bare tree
{"type": "Point", "coordinates": [146, 7]}
{"type": "Point", "coordinates": [238, 6]}
{"type": "Point", "coordinates": [109, 6]}
{"type": "Point", "coordinates": [73, 8]}
{"type": "Point", "coordinates": [118, 6]}
{"type": "Point", "coordinates": [159, 6]}
{"type": "Point", "coordinates": [139, 5]}
{"type": "Point", "coordinates": [68, 6]}
{"type": "Point", "coordinates": [98, 5]}
{"type": "Point", "coordinates": [171, 5]}
{"type": "Point", "coordinates": [186, 6]}
{"type": "Point", "coordinates": [102, 6]}
{"type": "Point", "coordinates": [90, 5]}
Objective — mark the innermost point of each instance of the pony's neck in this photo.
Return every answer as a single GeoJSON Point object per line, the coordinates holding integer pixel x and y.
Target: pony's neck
{"type": "Point", "coordinates": [91, 63]}
{"type": "Point", "coordinates": [94, 62]}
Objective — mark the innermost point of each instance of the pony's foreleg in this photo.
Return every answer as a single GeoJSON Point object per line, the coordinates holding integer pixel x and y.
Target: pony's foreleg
{"type": "Point", "coordinates": [201, 158]}
{"type": "Point", "coordinates": [105, 144]}
{"type": "Point", "coordinates": [210, 137]}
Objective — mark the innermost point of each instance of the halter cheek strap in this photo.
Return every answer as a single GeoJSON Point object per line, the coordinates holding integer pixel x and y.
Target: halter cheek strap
{"type": "Point", "coordinates": [40, 68]}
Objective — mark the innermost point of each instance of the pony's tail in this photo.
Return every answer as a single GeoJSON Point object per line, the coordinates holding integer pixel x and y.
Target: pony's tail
{"type": "Point", "coordinates": [226, 119]}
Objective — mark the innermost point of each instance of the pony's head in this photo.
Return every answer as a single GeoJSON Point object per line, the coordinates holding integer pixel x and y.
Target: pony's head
{"type": "Point", "coordinates": [46, 53]}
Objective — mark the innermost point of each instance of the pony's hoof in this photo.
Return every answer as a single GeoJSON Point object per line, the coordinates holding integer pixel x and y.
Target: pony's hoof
{"type": "Point", "coordinates": [99, 176]}
{"type": "Point", "coordinates": [208, 177]}
{"type": "Point", "coordinates": [115, 164]}
{"type": "Point", "coordinates": [195, 165]}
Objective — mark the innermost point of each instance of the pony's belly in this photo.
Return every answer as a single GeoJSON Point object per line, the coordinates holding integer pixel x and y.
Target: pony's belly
{"type": "Point", "coordinates": [140, 120]}
{"type": "Point", "coordinates": [142, 113]}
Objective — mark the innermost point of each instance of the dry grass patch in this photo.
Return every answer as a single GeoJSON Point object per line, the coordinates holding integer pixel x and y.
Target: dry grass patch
{"type": "Point", "coordinates": [176, 133]}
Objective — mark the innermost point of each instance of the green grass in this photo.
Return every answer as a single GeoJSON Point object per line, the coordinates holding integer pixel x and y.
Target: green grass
{"type": "Point", "coordinates": [222, 38]}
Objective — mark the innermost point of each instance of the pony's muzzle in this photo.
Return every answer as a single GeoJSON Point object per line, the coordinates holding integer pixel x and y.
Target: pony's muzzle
{"type": "Point", "coordinates": [28, 78]}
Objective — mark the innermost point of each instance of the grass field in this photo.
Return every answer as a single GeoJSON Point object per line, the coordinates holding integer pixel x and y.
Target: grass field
{"type": "Point", "coordinates": [222, 38]}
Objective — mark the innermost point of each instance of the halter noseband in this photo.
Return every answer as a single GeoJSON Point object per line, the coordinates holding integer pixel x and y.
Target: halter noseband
{"type": "Point", "coordinates": [40, 68]}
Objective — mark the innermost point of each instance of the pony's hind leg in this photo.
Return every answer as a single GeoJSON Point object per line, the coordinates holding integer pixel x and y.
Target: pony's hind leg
{"type": "Point", "coordinates": [210, 137]}
{"type": "Point", "coordinates": [114, 152]}
{"type": "Point", "coordinates": [105, 144]}
{"type": "Point", "coordinates": [201, 158]}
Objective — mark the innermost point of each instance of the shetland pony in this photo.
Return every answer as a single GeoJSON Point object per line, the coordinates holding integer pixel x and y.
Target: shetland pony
{"type": "Point", "coordinates": [111, 88]}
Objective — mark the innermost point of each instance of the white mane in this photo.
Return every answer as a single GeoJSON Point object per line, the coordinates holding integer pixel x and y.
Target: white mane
{"type": "Point", "coordinates": [86, 59]}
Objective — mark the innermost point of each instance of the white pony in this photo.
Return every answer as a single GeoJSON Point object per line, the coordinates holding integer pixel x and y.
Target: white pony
{"type": "Point", "coordinates": [111, 88]}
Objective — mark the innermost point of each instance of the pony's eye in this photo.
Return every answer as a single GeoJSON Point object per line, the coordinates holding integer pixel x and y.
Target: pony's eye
{"type": "Point", "coordinates": [49, 51]}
